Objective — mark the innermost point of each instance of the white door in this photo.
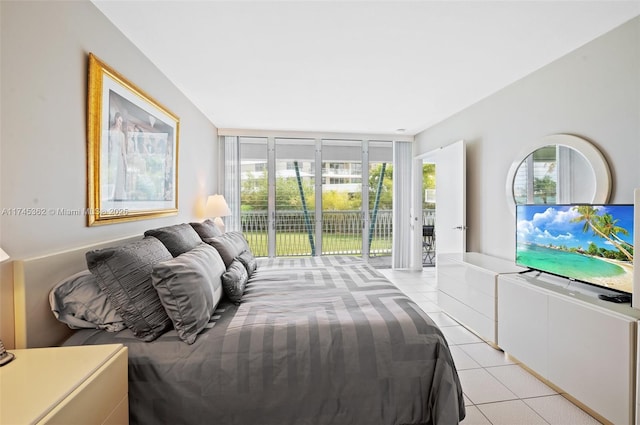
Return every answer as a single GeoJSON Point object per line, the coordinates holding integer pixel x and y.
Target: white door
{"type": "Point", "coordinates": [451, 217]}
{"type": "Point", "coordinates": [451, 198]}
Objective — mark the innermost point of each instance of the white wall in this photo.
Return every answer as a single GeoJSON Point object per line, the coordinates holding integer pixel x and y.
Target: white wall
{"type": "Point", "coordinates": [44, 65]}
{"type": "Point", "coordinates": [593, 92]}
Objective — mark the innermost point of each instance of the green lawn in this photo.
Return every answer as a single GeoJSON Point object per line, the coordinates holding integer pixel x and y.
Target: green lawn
{"type": "Point", "coordinates": [288, 244]}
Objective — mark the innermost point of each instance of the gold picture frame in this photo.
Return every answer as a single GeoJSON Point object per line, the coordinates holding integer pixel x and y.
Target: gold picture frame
{"type": "Point", "coordinates": [132, 151]}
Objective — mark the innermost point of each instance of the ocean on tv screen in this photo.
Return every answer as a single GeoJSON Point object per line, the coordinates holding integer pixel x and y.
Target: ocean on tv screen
{"type": "Point", "coordinates": [589, 243]}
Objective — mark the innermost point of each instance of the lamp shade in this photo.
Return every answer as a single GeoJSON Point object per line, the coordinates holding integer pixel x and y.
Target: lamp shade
{"type": "Point", "coordinates": [3, 255]}
{"type": "Point", "coordinates": [216, 207]}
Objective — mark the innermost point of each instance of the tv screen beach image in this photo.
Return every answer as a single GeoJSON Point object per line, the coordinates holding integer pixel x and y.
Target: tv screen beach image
{"type": "Point", "coordinates": [589, 243]}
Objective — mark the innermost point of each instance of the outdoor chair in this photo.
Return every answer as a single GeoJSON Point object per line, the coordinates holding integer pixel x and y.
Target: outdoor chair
{"type": "Point", "coordinates": [428, 245]}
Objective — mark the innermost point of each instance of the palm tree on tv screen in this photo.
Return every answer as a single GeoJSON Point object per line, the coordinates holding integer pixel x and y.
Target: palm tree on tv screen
{"type": "Point", "coordinates": [603, 226]}
{"type": "Point", "coordinates": [607, 224]}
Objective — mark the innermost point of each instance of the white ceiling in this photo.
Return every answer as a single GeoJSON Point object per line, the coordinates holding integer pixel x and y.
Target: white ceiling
{"type": "Point", "coordinates": [359, 66]}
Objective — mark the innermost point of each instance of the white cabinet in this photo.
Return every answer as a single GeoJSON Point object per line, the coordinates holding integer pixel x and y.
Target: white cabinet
{"type": "Point", "coordinates": [467, 290]}
{"type": "Point", "coordinates": [638, 373]}
{"type": "Point", "coordinates": [66, 385]}
{"type": "Point", "coordinates": [583, 345]}
{"type": "Point", "coordinates": [519, 326]}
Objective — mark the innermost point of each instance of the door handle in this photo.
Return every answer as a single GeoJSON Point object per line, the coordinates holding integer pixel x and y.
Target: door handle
{"type": "Point", "coordinates": [460, 228]}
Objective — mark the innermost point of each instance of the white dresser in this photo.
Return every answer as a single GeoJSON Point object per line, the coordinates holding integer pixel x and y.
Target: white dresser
{"type": "Point", "coordinates": [581, 344]}
{"type": "Point", "coordinates": [65, 385]}
{"type": "Point", "coordinates": [638, 374]}
{"type": "Point", "coordinates": [467, 290]}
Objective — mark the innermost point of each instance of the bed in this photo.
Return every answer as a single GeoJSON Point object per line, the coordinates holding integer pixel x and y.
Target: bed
{"type": "Point", "coordinates": [321, 340]}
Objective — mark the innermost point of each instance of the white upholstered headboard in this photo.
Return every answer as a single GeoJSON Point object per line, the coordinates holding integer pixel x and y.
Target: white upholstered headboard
{"type": "Point", "coordinates": [33, 279]}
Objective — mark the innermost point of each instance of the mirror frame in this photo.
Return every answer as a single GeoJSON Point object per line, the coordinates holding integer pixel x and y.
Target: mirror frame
{"type": "Point", "coordinates": [595, 158]}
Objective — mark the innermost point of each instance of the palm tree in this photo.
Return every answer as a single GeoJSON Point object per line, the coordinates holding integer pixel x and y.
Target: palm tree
{"type": "Point", "coordinates": [607, 225]}
{"type": "Point", "coordinates": [587, 214]}
{"type": "Point", "coordinates": [593, 221]}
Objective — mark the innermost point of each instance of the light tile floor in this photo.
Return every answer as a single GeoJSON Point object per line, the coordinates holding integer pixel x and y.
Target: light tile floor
{"type": "Point", "coordinates": [497, 391]}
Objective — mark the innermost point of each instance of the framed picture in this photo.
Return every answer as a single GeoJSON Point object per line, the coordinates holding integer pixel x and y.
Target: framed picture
{"type": "Point", "coordinates": [132, 153]}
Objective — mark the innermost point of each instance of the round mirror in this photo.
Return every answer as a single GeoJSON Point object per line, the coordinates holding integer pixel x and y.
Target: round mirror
{"type": "Point", "coordinates": [560, 169]}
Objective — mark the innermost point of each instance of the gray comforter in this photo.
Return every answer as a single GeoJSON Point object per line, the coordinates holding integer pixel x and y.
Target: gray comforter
{"type": "Point", "coordinates": [324, 340]}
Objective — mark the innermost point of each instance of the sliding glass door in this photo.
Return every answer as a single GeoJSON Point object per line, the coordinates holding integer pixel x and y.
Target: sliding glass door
{"type": "Point", "coordinates": [342, 217]}
{"type": "Point", "coordinates": [380, 199]}
{"type": "Point", "coordinates": [306, 197]}
{"type": "Point", "coordinates": [295, 213]}
{"type": "Point", "coordinates": [254, 193]}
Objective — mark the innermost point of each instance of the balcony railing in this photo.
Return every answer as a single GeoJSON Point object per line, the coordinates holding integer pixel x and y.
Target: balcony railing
{"type": "Point", "coordinates": [341, 232]}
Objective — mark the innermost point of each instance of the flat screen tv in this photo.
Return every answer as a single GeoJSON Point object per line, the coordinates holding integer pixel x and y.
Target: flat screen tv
{"type": "Point", "coordinates": [586, 243]}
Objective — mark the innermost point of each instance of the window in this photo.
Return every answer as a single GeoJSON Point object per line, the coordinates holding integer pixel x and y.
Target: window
{"type": "Point", "coordinates": [301, 197]}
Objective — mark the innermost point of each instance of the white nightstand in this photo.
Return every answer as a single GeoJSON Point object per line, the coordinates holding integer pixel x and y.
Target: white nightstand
{"type": "Point", "coordinates": [65, 385]}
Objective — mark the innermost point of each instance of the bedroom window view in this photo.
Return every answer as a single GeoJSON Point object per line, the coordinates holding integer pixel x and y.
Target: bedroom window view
{"type": "Point", "coordinates": [254, 194]}
{"type": "Point", "coordinates": [342, 223]}
{"type": "Point", "coordinates": [311, 216]}
{"type": "Point", "coordinates": [295, 197]}
{"type": "Point", "coordinates": [380, 199]}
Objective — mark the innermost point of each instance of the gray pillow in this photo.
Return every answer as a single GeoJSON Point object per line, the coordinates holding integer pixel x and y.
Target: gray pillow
{"type": "Point", "coordinates": [178, 238]}
{"type": "Point", "coordinates": [234, 281]}
{"type": "Point", "coordinates": [124, 274]}
{"type": "Point", "coordinates": [248, 261]}
{"type": "Point", "coordinates": [190, 288]}
{"type": "Point", "coordinates": [206, 229]}
{"type": "Point", "coordinates": [79, 302]}
{"type": "Point", "coordinates": [229, 245]}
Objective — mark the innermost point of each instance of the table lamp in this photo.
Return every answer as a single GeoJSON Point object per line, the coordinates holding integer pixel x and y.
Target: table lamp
{"type": "Point", "coordinates": [217, 208]}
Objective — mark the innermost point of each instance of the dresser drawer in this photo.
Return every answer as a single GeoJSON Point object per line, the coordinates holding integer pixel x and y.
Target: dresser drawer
{"type": "Point", "coordinates": [470, 290]}
{"type": "Point", "coordinates": [480, 324]}
{"type": "Point", "coordinates": [482, 281]}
